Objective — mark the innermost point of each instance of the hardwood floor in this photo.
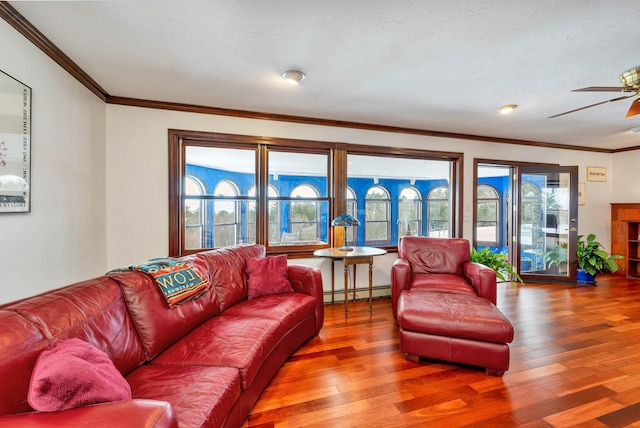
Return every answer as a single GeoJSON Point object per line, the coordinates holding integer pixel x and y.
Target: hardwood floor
{"type": "Point", "coordinates": [575, 361]}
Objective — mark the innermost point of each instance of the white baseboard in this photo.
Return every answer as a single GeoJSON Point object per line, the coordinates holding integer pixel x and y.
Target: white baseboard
{"type": "Point", "coordinates": [361, 293]}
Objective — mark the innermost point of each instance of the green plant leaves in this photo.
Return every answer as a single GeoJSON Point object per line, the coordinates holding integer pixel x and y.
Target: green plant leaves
{"type": "Point", "coordinates": [593, 258]}
{"type": "Point", "coordinates": [496, 260]}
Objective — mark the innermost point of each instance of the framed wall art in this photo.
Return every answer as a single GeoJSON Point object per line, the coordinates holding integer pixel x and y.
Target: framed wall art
{"type": "Point", "coordinates": [596, 173]}
{"type": "Point", "coordinates": [15, 145]}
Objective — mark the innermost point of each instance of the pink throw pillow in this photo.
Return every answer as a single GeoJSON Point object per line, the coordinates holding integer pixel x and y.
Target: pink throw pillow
{"type": "Point", "coordinates": [72, 373]}
{"type": "Point", "coordinates": [268, 275]}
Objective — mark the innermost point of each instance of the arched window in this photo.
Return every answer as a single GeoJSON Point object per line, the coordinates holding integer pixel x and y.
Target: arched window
{"type": "Point", "coordinates": [304, 215]}
{"type": "Point", "coordinates": [225, 214]}
{"type": "Point", "coordinates": [409, 212]}
{"type": "Point", "coordinates": [377, 212]}
{"type": "Point", "coordinates": [352, 209]}
{"type": "Point", "coordinates": [531, 213]}
{"type": "Point", "coordinates": [274, 224]}
{"type": "Point", "coordinates": [488, 212]}
{"type": "Point", "coordinates": [438, 212]}
{"type": "Point", "coordinates": [194, 214]}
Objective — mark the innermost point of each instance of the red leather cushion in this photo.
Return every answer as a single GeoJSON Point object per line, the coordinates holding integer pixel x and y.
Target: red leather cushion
{"type": "Point", "coordinates": [453, 315]}
{"type": "Point", "coordinates": [435, 255]}
{"type": "Point", "coordinates": [130, 413]}
{"type": "Point", "coordinates": [72, 373]}
{"type": "Point", "coordinates": [227, 341]}
{"type": "Point", "coordinates": [21, 345]}
{"type": "Point", "coordinates": [226, 268]}
{"type": "Point", "coordinates": [288, 309]}
{"type": "Point", "coordinates": [200, 396]}
{"type": "Point", "coordinates": [267, 275]}
{"type": "Point", "coordinates": [443, 282]}
{"type": "Point", "coordinates": [92, 310]}
{"type": "Point", "coordinates": [157, 325]}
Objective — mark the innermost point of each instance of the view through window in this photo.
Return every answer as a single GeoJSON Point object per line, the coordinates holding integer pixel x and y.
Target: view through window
{"type": "Point", "coordinates": [228, 189]}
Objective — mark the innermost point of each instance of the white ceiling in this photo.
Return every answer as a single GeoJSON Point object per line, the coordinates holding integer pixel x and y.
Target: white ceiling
{"type": "Point", "coordinates": [440, 65]}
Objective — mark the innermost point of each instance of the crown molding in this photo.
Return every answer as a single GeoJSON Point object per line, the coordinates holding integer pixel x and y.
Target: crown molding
{"type": "Point", "coordinates": [24, 27]}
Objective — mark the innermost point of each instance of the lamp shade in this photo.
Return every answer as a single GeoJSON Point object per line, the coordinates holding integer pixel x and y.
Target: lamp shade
{"type": "Point", "coordinates": [345, 220]}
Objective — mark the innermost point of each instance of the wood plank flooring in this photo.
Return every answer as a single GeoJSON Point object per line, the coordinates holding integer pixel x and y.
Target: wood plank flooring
{"type": "Point", "coordinates": [575, 361]}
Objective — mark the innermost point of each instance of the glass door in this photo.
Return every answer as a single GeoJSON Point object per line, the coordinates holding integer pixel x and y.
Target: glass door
{"type": "Point", "coordinates": [546, 223]}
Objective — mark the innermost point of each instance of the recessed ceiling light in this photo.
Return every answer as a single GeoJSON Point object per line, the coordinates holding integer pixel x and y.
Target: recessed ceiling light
{"type": "Point", "coordinates": [635, 129]}
{"type": "Point", "coordinates": [293, 77]}
{"type": "Point", "coordinates": [507, 108]}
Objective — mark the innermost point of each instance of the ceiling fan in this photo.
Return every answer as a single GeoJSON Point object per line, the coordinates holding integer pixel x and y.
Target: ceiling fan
{"type": "Point", "coordinates": [631, 82]}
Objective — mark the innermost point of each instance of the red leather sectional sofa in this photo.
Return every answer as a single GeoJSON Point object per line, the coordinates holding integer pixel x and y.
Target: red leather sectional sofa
{"type": "Point", "coordinates": [201, 364]}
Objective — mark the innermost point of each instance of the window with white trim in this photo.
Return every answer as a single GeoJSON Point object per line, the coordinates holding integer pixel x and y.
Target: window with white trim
{"type": "Point", "coordinates": [194, 213]}
{"type": "Point", "coordinates": [225, 214]}
{"type": "Point", "coordinates": [488, 215]}
{"type": "Point", "coordinates": [409, 212]}
{"type": "Point", "coordinates": [438, 212]}
{"type": "Point", "coordinates": [377, 213]}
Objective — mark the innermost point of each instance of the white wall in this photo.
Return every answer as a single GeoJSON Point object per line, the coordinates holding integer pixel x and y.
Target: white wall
{"type": "Point", "coordinates": [137, 180]}
{"type": "Point", "coordinates": [63, 239]}
{"type": "Point", "coordinates": [626, 166]}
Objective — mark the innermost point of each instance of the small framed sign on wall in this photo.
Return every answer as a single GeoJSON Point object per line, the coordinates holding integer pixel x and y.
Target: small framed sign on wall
{"type": "Point", "coordinates": [596, 173]}
{"type": "Point", "coordinates": [15, 145]}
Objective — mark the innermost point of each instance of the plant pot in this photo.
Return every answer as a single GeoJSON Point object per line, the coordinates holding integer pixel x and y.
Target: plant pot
{"type": "Point", "coordinates": [585, 277]}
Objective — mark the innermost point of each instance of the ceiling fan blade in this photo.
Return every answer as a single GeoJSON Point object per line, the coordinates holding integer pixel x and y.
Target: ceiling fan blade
{"type": "Point", "coordinates": [604, 89]}
{"type": "Point", "coordinates": [634, 109]}
{"type": "Point", "coordinates": [593, 105]}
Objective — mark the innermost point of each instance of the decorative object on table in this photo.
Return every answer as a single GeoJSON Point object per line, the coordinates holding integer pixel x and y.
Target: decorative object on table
{"type": "Point", "coordinates": [496, 260]}
{"type": "Point", "coordinates": [15, 145]}
{"type": "Point", "coordinates": [593, 259]}
{"type": "Point", "coordinates": [345, 220]}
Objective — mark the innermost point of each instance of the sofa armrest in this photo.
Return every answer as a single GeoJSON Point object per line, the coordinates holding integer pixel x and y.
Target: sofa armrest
{"type": "Point", "coordinates": [132, 413]}
{"type": "Point", "coordinates": [483, 279]}
{"type": "Point", "coordinates": [400, 280]}
{"type": "Point", "coordinates": [308, 280]}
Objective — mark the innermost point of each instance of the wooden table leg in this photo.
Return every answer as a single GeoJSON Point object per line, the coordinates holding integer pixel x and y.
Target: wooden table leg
{"type": "Point", "coordinates": [333, 279]}
{"type": "Point", "coordinates": [370, 286]}
{"type": "Point", "coordinates": [354, 282]}
{"type": "Point", "coordinates": [346, 290]}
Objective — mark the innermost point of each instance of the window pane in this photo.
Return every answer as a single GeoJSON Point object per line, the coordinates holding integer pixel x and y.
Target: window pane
{"type": "Point", "coordinates": [194, 214]}
{"type": "Point", "coordinates": [274, 215]}
{"type": "Point", "coordinates": [438, 215]}
{"type": "Point", "coordinates": [377, 216]}
{"type": "Point", "coordinates": [300, 194]}
{"type": "Point", "coordinates": [407, 181]}
{"type": "Point", "coordinates": [287, 170]}
{"type": "Point", "coordinates": [224, 177]}
{"type": "Point", "coordinates": [487, 213]}
{"type": "Point", "coordinates": [409, 210]}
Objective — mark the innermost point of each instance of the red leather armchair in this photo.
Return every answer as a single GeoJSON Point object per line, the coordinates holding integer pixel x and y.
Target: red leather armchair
{"type": "Point", "coordinates": [445, 305]}
{"type": "Point", "coordinates": [439, 264]}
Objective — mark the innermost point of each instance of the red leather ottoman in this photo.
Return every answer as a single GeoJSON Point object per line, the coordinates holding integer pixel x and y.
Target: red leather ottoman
{"type": "Point", "coordinates": [460, 328]}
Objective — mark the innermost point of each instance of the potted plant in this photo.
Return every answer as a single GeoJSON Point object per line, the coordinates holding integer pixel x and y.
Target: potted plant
{"type": "Point", "coordinates": [496, 260]}
{"type": "Point", "coordinates": [593, 259]}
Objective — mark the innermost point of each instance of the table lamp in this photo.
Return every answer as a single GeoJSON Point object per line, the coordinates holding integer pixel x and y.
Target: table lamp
{"type": "Point", "coordinates": [345, 220]}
